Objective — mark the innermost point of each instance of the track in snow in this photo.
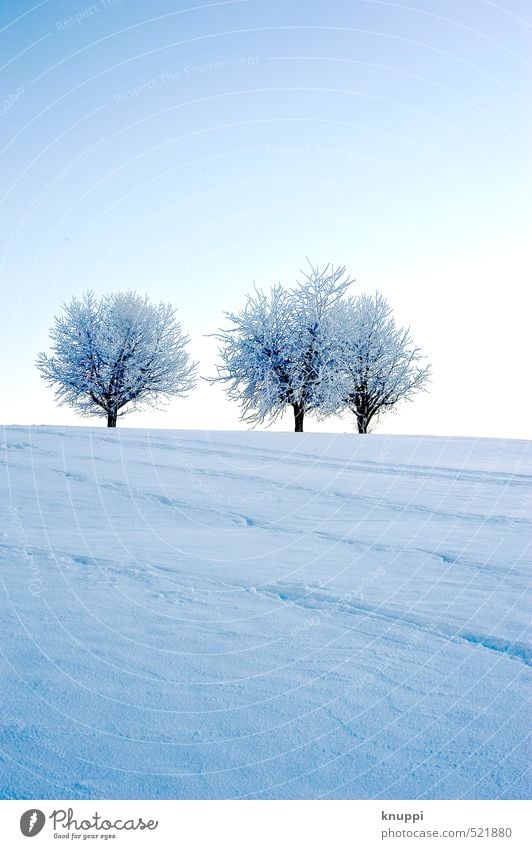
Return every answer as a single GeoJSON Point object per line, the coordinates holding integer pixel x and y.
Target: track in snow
{"type": "Point", "coordinates": [206, 615]}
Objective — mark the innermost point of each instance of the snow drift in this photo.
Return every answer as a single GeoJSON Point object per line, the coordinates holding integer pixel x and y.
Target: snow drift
{"type": "Point", "coordinates": [262, 615]}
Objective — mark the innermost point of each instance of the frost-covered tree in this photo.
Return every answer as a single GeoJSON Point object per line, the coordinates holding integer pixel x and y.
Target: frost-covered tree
{"type": "Point", "coordinates": [117, 352]}
{"type": "Point", "coordinates": [280, 349]}
{"type": "Point", "coordinates": [381, 364]}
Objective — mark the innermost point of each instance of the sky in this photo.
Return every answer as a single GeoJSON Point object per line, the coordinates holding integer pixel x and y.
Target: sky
{"type": "Point", "coordinates": [188, 150]}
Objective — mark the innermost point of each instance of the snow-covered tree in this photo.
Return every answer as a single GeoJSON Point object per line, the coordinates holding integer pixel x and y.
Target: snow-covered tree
{"type": "Point", "coordinates": [280, 349]}
{"type": "Point", "coordinates": [381, 365]}
{"type": "Point", "coordinates": [118, 351]}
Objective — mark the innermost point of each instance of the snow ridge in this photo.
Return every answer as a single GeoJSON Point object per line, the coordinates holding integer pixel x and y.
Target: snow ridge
{"type": "Point", "coordinates": [263, 615]}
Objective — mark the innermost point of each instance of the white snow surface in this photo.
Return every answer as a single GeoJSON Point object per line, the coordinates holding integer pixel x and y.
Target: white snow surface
{"type": "Point", "coordinates": [263, 615]}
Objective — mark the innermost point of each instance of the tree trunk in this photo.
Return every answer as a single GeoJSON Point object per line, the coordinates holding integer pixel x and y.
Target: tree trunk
{"type": "Point", "coordinates": [111, 418]}
{"type": "Point", "coordinates": [362, 424]}
{"type": "Point", "coordinates": [299, 414]}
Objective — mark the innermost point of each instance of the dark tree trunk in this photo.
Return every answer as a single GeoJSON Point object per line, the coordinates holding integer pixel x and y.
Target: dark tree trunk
{"type": "Point", "coordinates": [359, 403]}
{"type": "Point", "coordinates": [299, 414]}
{"type": "Point", "coordinates": [111, 418]}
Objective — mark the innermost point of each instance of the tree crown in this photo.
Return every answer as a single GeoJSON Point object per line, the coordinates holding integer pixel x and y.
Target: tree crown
{"type": "Point", "coordinates": [117, 351]}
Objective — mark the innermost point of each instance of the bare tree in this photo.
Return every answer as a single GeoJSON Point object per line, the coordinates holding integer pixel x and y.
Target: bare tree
{"type": "Point", "coordinates": [120, 351]}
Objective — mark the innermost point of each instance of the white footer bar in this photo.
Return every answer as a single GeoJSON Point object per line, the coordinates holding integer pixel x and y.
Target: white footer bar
{"type": "Point", "coordinates": [266, 824]}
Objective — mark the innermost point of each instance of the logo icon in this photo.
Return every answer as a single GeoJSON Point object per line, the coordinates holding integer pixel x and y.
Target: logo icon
{"type": "Point", "coordinates": [32, 822]}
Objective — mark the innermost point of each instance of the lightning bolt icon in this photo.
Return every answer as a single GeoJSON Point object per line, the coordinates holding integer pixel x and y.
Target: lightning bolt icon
{"type": "Point", "coordinates": [33, 820]}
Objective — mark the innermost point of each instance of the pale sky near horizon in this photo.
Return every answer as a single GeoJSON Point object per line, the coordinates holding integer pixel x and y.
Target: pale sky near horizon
{"type": "Point", "coordinates": [189, 149]}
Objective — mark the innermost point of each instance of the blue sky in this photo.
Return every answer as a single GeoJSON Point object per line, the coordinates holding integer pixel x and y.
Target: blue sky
{"type": "Point", "coordinates": [188, 150]}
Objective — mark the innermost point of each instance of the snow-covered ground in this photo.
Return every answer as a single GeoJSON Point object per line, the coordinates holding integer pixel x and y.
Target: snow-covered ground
{"type": "Point", "coordinates": [258, 615]}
